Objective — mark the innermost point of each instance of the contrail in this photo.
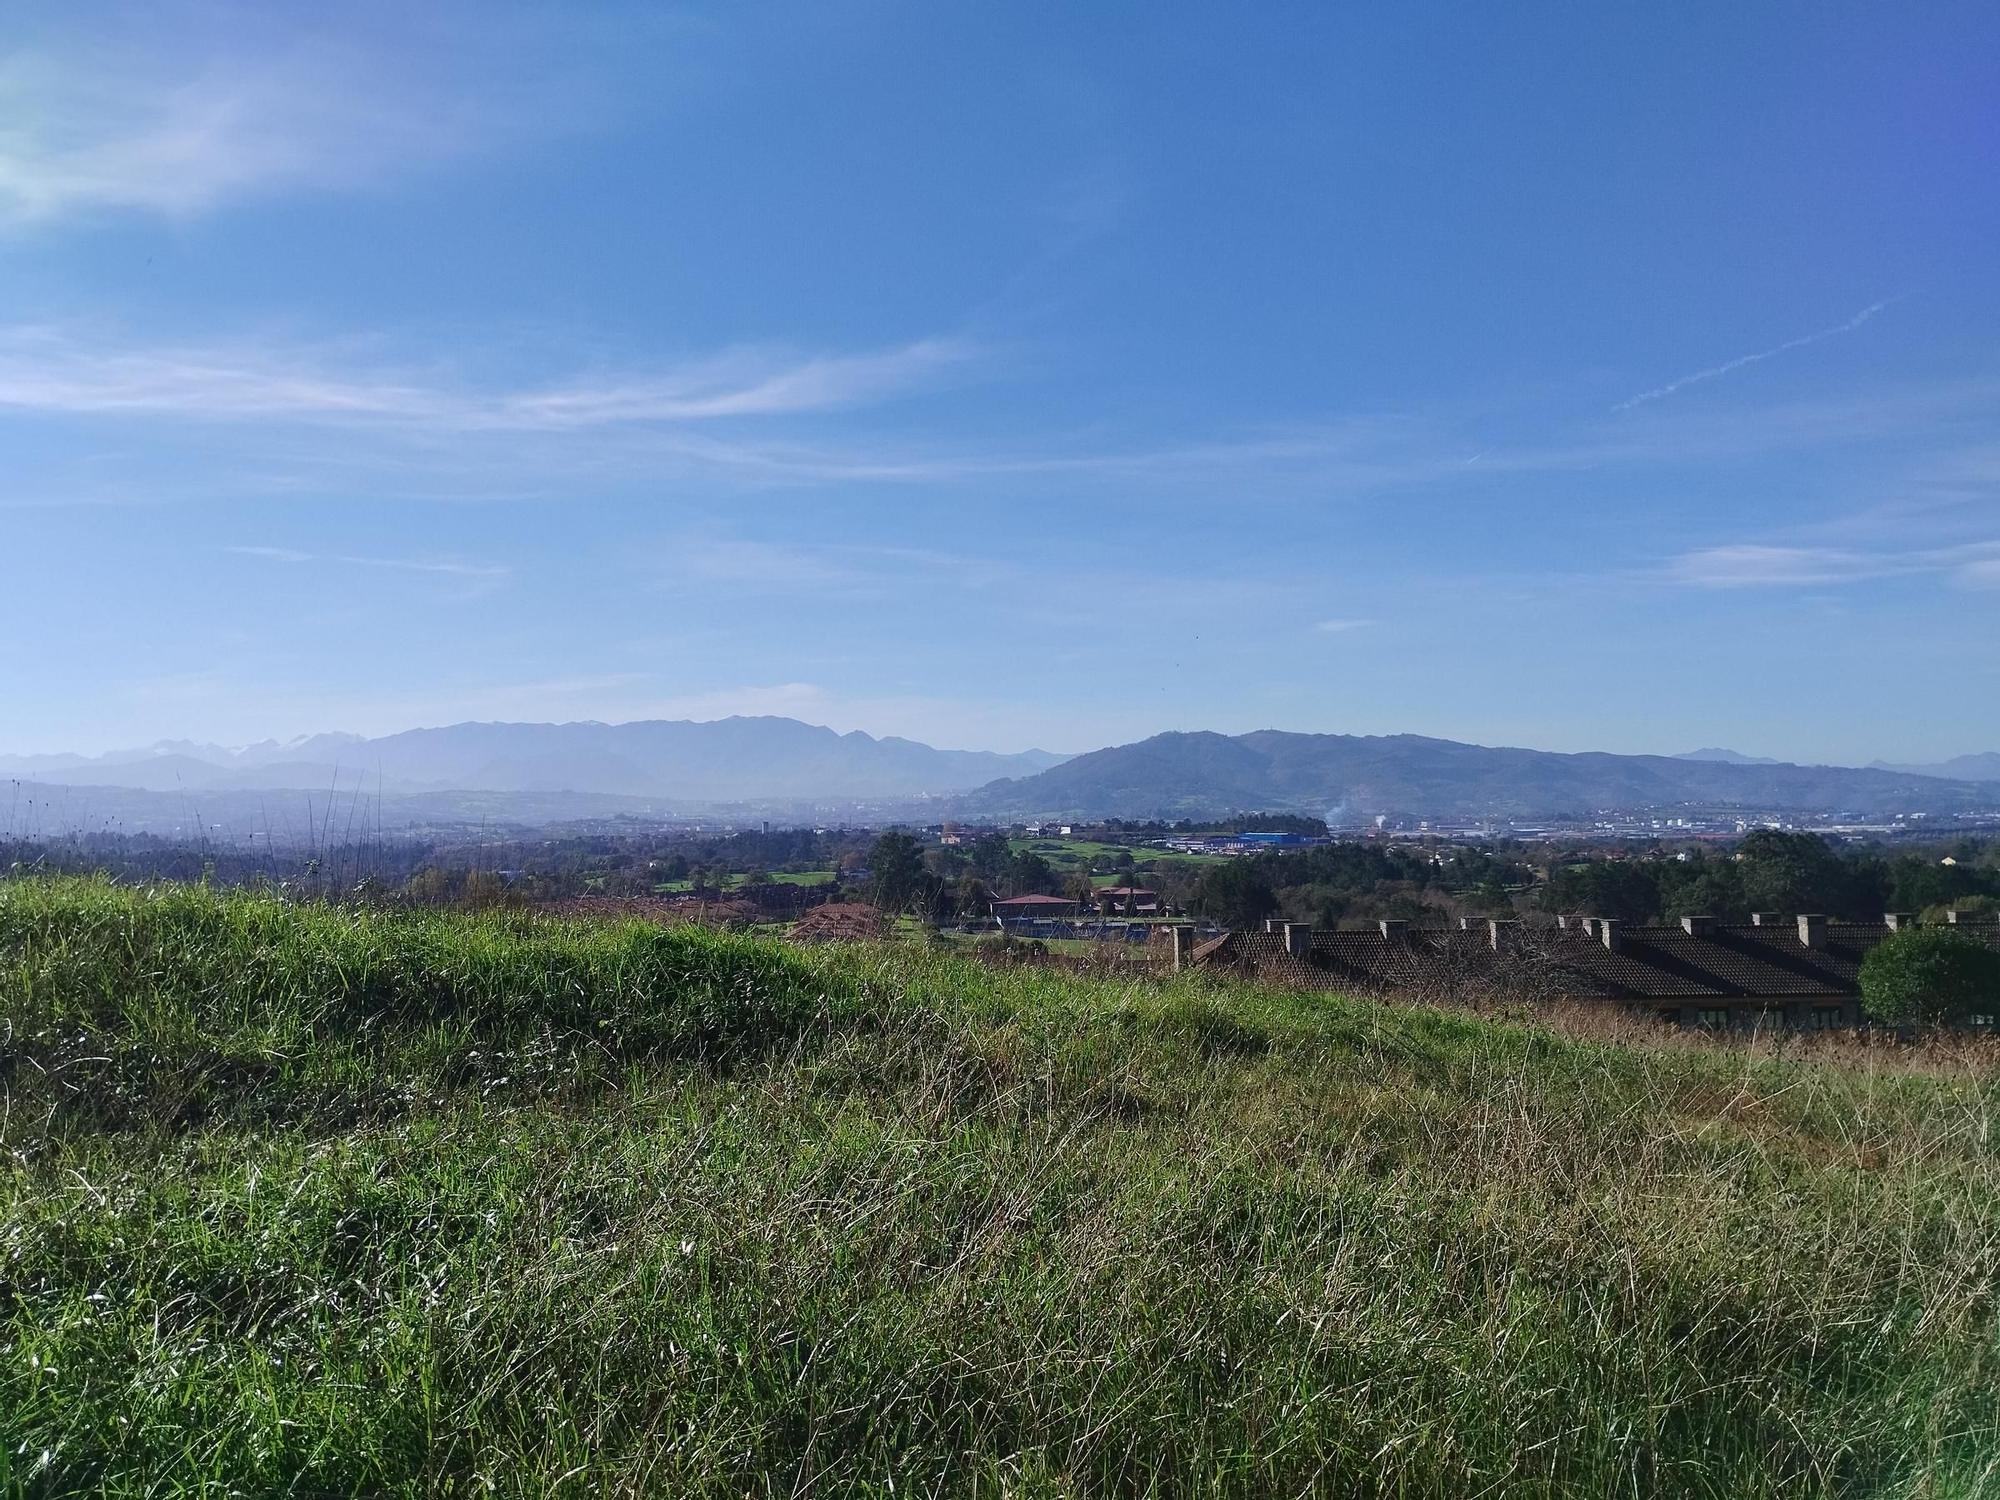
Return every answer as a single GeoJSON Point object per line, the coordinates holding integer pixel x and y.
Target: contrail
{"type": "Point", "coordinates": [1750, 359]}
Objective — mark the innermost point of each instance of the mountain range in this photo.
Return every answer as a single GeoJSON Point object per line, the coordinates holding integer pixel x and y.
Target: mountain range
{"type": "Point", "coordinates": [682, 761]}
{"type": "Point", "coordinates": [1982, 767]}
{"type": "Point", "coordinates": [1728, 757]}
{"type": "Point", "coordinates": [1348, 777]}
{"type": "Point", "coordinates": [530, 773]}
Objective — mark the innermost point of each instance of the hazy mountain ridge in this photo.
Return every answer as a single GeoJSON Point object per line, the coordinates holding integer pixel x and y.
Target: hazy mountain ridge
{"type": "Point", "coordinates": [724, 760]}
{"type": "Point", "coordinates": [1728, 757]}
{"type": "Point", "coordinates": [293, 816]}
{"type": "Point", "coordinates": [1204, 773]}
{"type": "Point", "coordinates": [663, 767]}
{"type": "Point", "coordinates": [1984, 766]}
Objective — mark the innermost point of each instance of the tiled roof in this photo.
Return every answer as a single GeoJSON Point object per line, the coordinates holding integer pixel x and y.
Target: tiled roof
{"type": "Point", "coordinates": [1649, 963]}
{"type": "Point", "coordinates": [1587, 969]}
{"type": "Point", "coordinates": [1218, 949]}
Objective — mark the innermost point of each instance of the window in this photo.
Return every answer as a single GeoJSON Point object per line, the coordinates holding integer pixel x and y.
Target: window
{"type": "Point", "coordinates": [1712, 1017]}
{"type": "Point", "coordinates": [1826, 1018]}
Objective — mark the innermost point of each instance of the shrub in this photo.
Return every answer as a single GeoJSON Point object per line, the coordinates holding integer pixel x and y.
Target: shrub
{"type": "Point", "coordinates": [1930, 976]}
{"type": "Point", "coordinates": [1984, 908]}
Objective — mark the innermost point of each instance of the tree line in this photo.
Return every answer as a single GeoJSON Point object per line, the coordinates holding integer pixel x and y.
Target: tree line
{"type": "Point", "coordinates": [1775, 871]}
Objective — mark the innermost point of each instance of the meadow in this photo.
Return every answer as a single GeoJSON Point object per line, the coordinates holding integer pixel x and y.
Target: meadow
{"type": "Point", "coordinates": [1072, 856]}
{"type": "Point", "coordinates": [309, 1199]}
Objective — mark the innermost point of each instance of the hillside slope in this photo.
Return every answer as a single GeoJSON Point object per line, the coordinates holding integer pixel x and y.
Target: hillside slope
{"type": "Point", "coordinates": [318, 1201]}
{"type": "Point", "coordinates": [1183, 774]}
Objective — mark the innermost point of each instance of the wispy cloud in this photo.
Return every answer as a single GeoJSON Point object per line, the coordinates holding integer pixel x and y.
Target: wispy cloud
{"type": "Point", "coordinates": [447, 567]}
{"type": "Point", "coordinates": [1981, 573]}
{"type": "Point", "coordinates": [352, 418]}
{"type": "Point", "coordinates": [48, 371]}
{"type": "Point", "coordinates": [1752, 566]}
{"type": "Point", "coordinates": [1737, 566]}
{"type": "Point", "coordinates": [1341, 627]}
{"type": "Point", "coordinates": [739, 385]}
{"type": "Point", "coordinates": [176, 135]}
{"type": "Point", "coordinates": [1715, 372]}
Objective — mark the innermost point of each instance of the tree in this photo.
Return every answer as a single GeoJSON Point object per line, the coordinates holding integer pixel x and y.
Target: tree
{"type": "Point", "coordinates": [1981, 908]}
{"type": "Point", "coordinates": [1930, 976]}
{"type": "Point", "coordinates": [1626, 889]}
{"type": "Point", "coordinates": [1297, 823]}
{"type": "Point", "coordinates": [1703, 887]}
{"type": "Point", "coordinates": [972, 896]}
{"type": "Point", "coordinates": [1793, 872]}
{"type": "Point", "coordinates": [1235, 894]}
{"type": "Point", "coordinates": [1028, 874]}
{"type": "Point", "coordinates": [1919, 882]}
{"type": "Point", "coordinates": [898, 862]}
{"type": "Point", "coordinates": [990, 854]}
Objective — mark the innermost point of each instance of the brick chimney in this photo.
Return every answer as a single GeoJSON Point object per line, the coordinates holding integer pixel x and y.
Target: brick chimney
{"type": "Point", "coordinates": [1700, 927]}
{"type": "Point", "coordinates": [1765, 919]}
{"type": "Point", "coordinates": [1183, 946]}
{"type": "Point", "coordinates": [1898, 921]}
{"type": "Point", "coordinates": [1954, 916]}
{"type": "Point", "coordinates": [1270, 924]}
{"type": "Point", "coordinates": [1812, 929]}
{"type": "Point", "coordinates": [1298, 938]}
{"type": "Point", "coordinates": [1394, 929]}
{"type": "Point", "coordinates": [1607, 932]}
{"type": "Point", "coordinates": [1501, 933]}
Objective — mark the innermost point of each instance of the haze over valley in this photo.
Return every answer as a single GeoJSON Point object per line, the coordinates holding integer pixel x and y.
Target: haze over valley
{"type": "Point", "coordinates": [760, 767]}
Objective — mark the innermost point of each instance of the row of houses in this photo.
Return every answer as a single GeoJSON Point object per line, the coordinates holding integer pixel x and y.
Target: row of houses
{"type": "Point", "coordinates": [1800, 972]}
{"type": "Point", "coordinates": [1240, 842]}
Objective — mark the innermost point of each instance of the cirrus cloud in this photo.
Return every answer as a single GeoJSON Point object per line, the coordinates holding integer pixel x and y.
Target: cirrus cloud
{"type": "Point", "coordinates": [177, 136]}
{"type": "Point", "coordinates": [54, 372]}
{"type": "Point", "coordinates": [1749, 565]}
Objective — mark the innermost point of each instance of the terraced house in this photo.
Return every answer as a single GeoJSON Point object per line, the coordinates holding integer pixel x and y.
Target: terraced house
{"type": "Point", "coordinates": [1798, 972]}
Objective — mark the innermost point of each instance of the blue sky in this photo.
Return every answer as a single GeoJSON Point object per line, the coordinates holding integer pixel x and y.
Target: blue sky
{"type": "Point", "coordinates": [1577, 377]}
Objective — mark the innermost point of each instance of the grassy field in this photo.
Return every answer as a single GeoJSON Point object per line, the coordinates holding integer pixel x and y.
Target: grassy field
{"type": "Point", "coordinates": [1071, 856]}
{"type": "Point", "coordinates": [319, 1201]}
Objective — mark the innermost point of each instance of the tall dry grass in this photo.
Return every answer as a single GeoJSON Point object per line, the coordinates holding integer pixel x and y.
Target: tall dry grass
{"type": "Point", "coordinates": [303, 1200]}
